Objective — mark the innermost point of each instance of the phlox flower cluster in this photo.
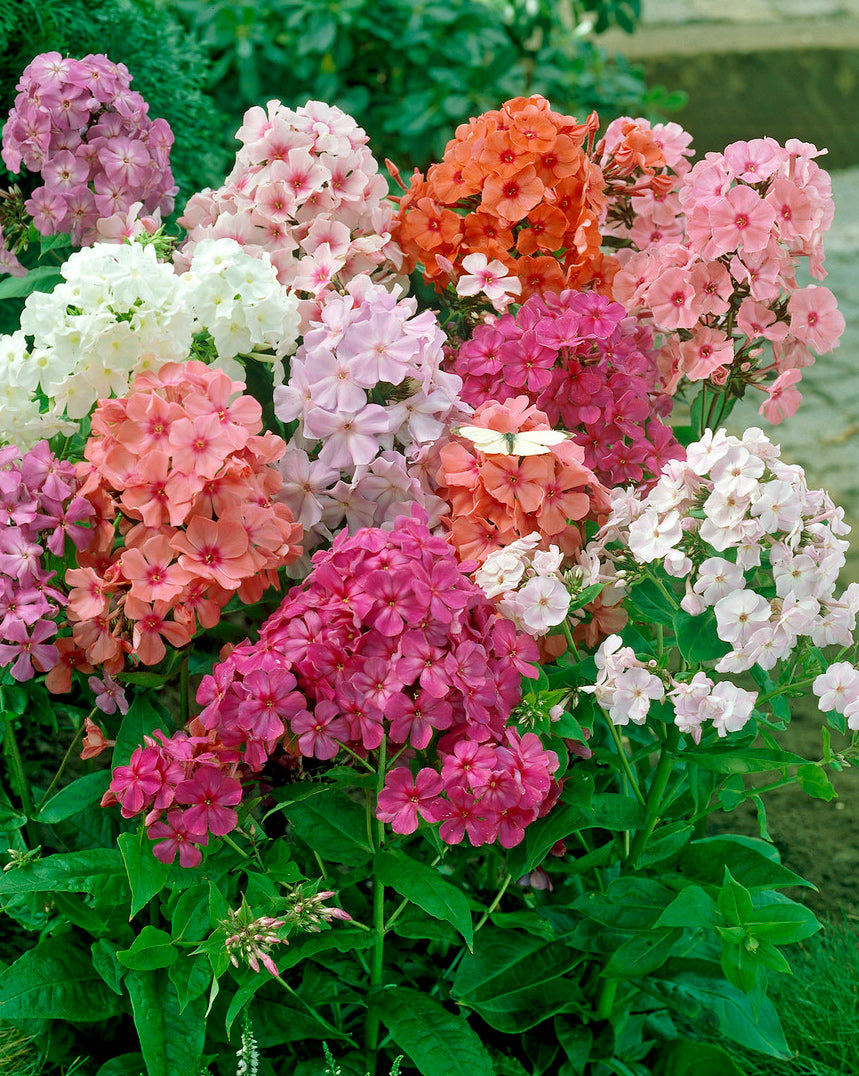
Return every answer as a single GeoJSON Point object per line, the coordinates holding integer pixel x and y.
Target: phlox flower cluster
{"type": "Point", "coordinates": [589, 366]}
{"type": "Point", "coordinates": [626, 686]}
{"type": "Point", "coordinates": [528, 583]}
{"type": "Point", "coordinates": [838, 691]}
{"type": "Point", "coordinates": [306, 189]}
{"type": "Point", "coordinates": [178, 471]}
{"type": "Point", "coordinates": [389, 640]}
{"type": "Point", "coordinates": [516, 185]}
{"type": "Point", "coordinates": [120, 312]}
{"type": "Point", "coordinates": [496, 498]}
{"type": "Point", "coordinates": [39, 509]}
{"type": "Point", "coordinates": [736, 523]}
{"type": "Point", "coordinates": [725, 291]}
{"type": "Point", "coordinates": [79, 127]}
{"type": "Point", "coordinates": [368, 391]}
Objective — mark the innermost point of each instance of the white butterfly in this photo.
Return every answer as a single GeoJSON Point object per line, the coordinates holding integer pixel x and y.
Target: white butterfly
{"type": "Point", "coordinates": [526, 443]}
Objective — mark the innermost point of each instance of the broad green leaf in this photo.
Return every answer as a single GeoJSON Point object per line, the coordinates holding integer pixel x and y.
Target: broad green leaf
{"type": "Point", "coordinates": [99, 872]}
{"type": "Point", "coordinates": [814, 782]}
{"type": "Point", "coordinates": [424, 886]}
{"type": "Point", "coordinates": [514, 981]}
{"type": "Point", "coordinates": [342, 939]}
{"type": "Point", "coordinates": [146, 874]}
{"type": "Point", "coordinates": [649, 600]}
{"type": "Point", "coordinates": [576, 1042]}
{"type": "Point", "coordinates": [143, 718]}
{"type": "Point", "coordinates": [189, 918]}
{"type": "Point", "coordinates": [45, 278]}
{"type": "Point", "coordinates": [528, 921]}
{"type": "Point", "coordinates": [126, 1065]}
{"type": "Point", "coordinates": [334, 826]}
{"type": "Point", "coordinates": [666, 842]}
{"type": "Point", "coordinates": [151, 949]}
{"type": "Point", "coordinates": [735, 760]}
{"type": "Point", "coordinates": [783, 923]}
{"type": "Point", "coordinates": [735, 901]}
{"type": "Point", "coordinates": [85, 792]}
{"type": "Point", "coordinates": [191, 976]}
{"type": "Point", "coordinates": [698, 1059]}
{"type": "Point", "coordinates": [55, 981]}
{"type": "Point", "coordinates": [73, 907]}
{"type": "Point", "coordinates": [642, 954]}
{"type": "Point", "coordinates": [171, 1040]}
{"type": "Point", "coordinates": [60, 241]}
{"type": "Point", "coordinates": [438, 1042]}
{"type": "Point", "coordinates": [741, 967]}
{"type": "Point", "coordinates": [253, 981]}
{"type": "Point", "coordinates": [752, 862]}
{"type": "Point", "coordinates": [420, 925]}
{"type": "Point", "coordinates": [105, 963]}
{"type": "Point", "coordinates": [696, 637]}
{"type": "Point", "coordinates": [692, 908]}
{"type": "Point", "coordinates": [628, 903]}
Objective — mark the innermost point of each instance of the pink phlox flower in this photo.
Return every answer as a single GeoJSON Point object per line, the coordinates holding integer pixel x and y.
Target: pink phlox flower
{"type": "Point", "coordinates": [320, 733]}
{"type": "Point", "coordinates": [136, 784]}
{"type": "Point", "coordinates": [174, 835]}
{"type": "Point", "coordinates": [404, 798]}
{"type": "Point", "coordinates": [29, 652]}
{"type": "Point", "coordinates": [741, 219]}
{"type": "Point", "coordinates": [109, 696]}
{"type": "Point", "coordinates": [211, 796]}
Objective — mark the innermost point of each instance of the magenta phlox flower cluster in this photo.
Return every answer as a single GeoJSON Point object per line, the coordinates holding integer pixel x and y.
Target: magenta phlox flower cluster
{"type": "Point", "coordinates": [589, 366]}
{"type": "Point", "coordinates": [79, 126]}
{"type": "Point", "coordinates": [39, 510]}
{"type": "Point", "coordinates": [389, 639]}
{"type": "Point", "coordinates": [367, 390]}
{"type": "Point", "coordinates": [725, 291]}
{"type": "Point", "coordinates": [736, 524]}
{"type": "Point", "coordinates": [306, 188]}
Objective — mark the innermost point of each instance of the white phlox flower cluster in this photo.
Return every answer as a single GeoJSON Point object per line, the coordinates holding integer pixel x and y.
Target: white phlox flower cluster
{"type": "Point", "coordinates": [734, 520]}
{"type": "Point", "coordinates": [838, 689]}
{"type": "Point", "coordinates": [119, 312]}
{"type": "Point", "coordinates": [528, 582]}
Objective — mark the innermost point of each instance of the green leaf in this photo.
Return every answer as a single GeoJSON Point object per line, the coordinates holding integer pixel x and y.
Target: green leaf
{"type": "Point", "coordinates": [73, 907]}
{"type": "Point", "coordinates": [740, 966]}
{"type": "Point", "coordinates": [253, 982]}
{"type": "Point", "coordinates": [514, 981]}
{"type": "Point", "coordinates": [85, 792]}
{"type": "Point", "coordinates": [666, 842]}
{"type": "Point", "coordinates": [151, 949]}
{"type": "Point", "coordinates": [126, 1065]}
{"type": "Point", "coordinates": [735, 901]}
{"type": "Point", "coordinates": [697, 638]}
{"type": "Point", "coordinates": [105, 963]}
{"type": "Point", "coordinates": [99, 872]}
{"type": "Point", "coordinates": [44, 278]}
{"type": "Point", "coordinates": [191, 976]}
{"type": "Point", "coordinates": [783, 922]}
{"type": "Point", "coordinates": [334, 826]}
{"type": "Point", "coordinates": [143, 718]}
{"type": "Point", "coordinates": [753, 863]}
{"type": "Point", "coordinates": [736, 760]}
{"type": "Point", "coordinates": [628, 903]}
{"type": "Point", "coordinates": [342, 939]}
{"type": "Point", "coordinates": [650, 600]}
{"type": "Point", "coordinates": [698, 1059]}
{"type": "Point", "coordinates": [171, 1038]}
{"type": "Point", "coordinates": [146, 874]}
{"type": "Point", "coordinates": [55, 981]}
{"type": "Point", "coordinates": [424, 886]}
{"type": "Point", "coordinates": [438, 1042]}
{"type": "Point", "coordinates": [693, 907]}
{"type": "Point", "coordinates": [189, 919]}
{"type": "Point", "coordinates": [813, 780]}
{"type": "Point", "coordinates": [642, 954]}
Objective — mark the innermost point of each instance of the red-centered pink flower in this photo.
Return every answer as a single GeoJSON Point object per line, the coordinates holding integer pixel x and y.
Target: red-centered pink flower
{"type": "Point", "coordinates": [152, 571]}
{"type": "Point", "coordinates": [405, 797]}
{"type": "Point", "coordinates": [178, 839]}
{"type": "Point", "coordinates": [88, 596]}
{"type": "Point", "coordinates": [151, 627]}
{"type": "Point", "coordinates": [320, 733]}
{"type": "Point", "coordinates": [213, 549]}
{"type": "Point", "coordinates": [272, 698]}
{"type": "Point", "coordinates": [198, 447]}
{"type": "Point", "coordinates": [461, 813]}
{"type": "Point", "coordinates": [416, 719]}
{"type": "Point", "coordinates": [814, 318]}
{"type": "Point", "coordinates": [672, 300]}
{"type": "Point", "coordinates": [783, 398]}
{"type": "Point", "coordinates": [395, 604]}
{"type": "Point", "coordinates": [470, 765]}
{"type": "Point", "coordinates": [211, 796]}
{"type": "Point", "coordinates": [516, 480]}
{"type": "Point", "coordinates": [29, 650]}
{"type": "Point", "coordinates": [741, 219]}
{"type": "Point", "coordinates": [136, 784]}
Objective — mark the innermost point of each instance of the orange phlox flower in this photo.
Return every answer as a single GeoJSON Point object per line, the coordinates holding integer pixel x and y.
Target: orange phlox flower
{"type": "Point", "coordinates": [495, 498]}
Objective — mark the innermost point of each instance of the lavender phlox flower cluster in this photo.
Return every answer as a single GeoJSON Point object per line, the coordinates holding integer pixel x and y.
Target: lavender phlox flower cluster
{"type": "Point", "coordinates": [120, 312]}
{"type": "Point", "coordinates": [368, 392]}
{"type": "Point", "coordinates": [79, 126]}
{"type": "Point", "coordinates": [588, 366]}
{"type": "Point", "coordinates": [305, 188]}
{"type": "Point", "coordinates": [710, 519]}
{"type": "Point", "coordinates": [38, 511]}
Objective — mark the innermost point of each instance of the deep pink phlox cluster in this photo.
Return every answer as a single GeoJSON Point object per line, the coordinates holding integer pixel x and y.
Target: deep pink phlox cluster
{"type": "Point", "coordinates": [727, 290]}
{"type": "Point", "coordinates": [589, 366]}
{"type": "Point", "coordinates": [367, 389]}
{"type": "Point", "coordinates": [186, 784]}
{"type": "Point", "coordinates": [388, 638]}
{"type": "Point", "coordinates": [305, 188]}
{"type": "Point", "coordinates": [79, 126]}
{"type": "Point", "coordinates": [39, 509]}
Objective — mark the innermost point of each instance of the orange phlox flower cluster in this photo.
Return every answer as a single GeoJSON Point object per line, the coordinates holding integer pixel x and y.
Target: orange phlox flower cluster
{"type": "Point", "coordinates": [183, 483]}
{"type": "Point", "coordinates": [497, 498]}
{"type": "Point", "coordinates": [517, 185]}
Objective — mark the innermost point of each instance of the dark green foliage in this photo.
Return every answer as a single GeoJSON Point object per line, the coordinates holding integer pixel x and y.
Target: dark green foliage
{"type": "Point", "coordinates": [168, 67]}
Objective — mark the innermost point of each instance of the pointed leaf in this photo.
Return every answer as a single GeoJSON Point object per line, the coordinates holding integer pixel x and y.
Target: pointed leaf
{"type": "Point", "coordinates": [424, 886]}
{"type": "Point", "coordinates": [171, 1040]}
{"type": "Point", "coordinates": [55, 981]}
{"type": "Point", "coordinates": [438, 1042]}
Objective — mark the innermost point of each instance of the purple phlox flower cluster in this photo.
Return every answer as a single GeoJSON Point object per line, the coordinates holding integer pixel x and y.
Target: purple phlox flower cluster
{"type": "Point", "coordinates": [708, 520]}
{"type": "Point", "coordinates": [79, 126]}
{"type": "Point", "coordinates": [589, 366]}
{"type": "Point", "coordinates": [723, 285]}
{"type": "Point", "coordinates": [389, 638]}
{"type": "Point", "coordinates": [306, 188]}
{"type": "Point", "coordinates": [38, 511]}
{"type": "Point", "coordinates": [367, 389]}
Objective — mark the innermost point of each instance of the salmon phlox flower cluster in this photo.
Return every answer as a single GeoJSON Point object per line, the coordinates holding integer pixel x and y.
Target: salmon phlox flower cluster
{"type": "Point", "coordinates": [497, 498]}
{"type": "Point", "coordinates": [518, 186]}
{"type": "Point", "coordinates": [589, 366]}
{"type": "Point", "coordinates": [180, 472]}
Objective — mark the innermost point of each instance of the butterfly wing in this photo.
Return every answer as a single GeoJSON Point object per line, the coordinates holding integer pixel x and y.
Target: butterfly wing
{"type": "Point", "coordinates": [490, 441]}
{"type": "Point", "coordinates": [537, 442]}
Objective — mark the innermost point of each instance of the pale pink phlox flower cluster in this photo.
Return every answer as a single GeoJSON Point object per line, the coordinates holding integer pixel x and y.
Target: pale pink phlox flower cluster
{"type": "Point", "coordinates": [306, 188]}
{"type": "Point", "coordinates": [528, 584]}
{"type": "Point", "coordinates": [643, 165]}
{"type": "Point", "coordinates": [838, 690]}
{"type": "Point", "coordinates": [388, 638]}
{"type": "Point", "coordinates": [728, 285]}
{"type": "Point", "coordinates": [79, 126]}
{"type": "Point", "coordinates": [709, 519]}
{"type": "Point", "coordinates": [367, 390]}
{"type": "Point", "coordinates": [488, 278]}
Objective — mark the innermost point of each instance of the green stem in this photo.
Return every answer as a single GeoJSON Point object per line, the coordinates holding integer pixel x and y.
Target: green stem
{"type": "Point", "coordinates": [657, 791]}
{"type": "Point", "coordinates": [330, 1027]}
{"type": "Point", "coordinates": [624, 761]}
{"type": "Point", "coordinates": [66, 757]}
{"type": "Point", "coordinates": [569, 636]}
{"type": "Point", "coordinates": [377, 953]}
{"type": "Point", "coordinates": [184, 696]}
{"type": "Point", "coordinates": [395, 914]}
{"type": "Point", "coordinates": [16, 766]}
{"type": "Point", "coordinates": [495, 902]}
